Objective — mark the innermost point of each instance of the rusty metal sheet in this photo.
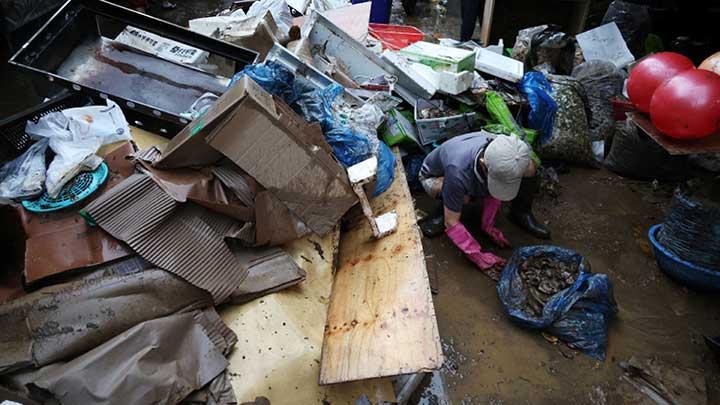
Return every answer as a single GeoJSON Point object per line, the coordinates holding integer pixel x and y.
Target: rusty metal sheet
{"type": "Point", "coordinates": [184, 239]}
{"type": "Point", "coordinates": [710, 144]}
{"type": "Point", "coordinates": [61, 241]}
{"type": "Point", "coordinates": [62, 321]}
{"type": "Point", "coordinates": [158, 361]}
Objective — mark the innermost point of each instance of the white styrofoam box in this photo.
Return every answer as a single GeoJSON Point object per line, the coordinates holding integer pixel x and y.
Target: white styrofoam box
{"type": "Point", "coordinates": [363, 171]}
{"type": "Point", "coordinates": [446, 82]}
{"type": "Point", "coordinates": [605, 43]}
{"type": "Point", "coordinates": [435, 129]}
{"type": "Point", "coordinates": [160, 46]}
{"type": "Point", "coordinates": [440, 58]}
{"type": "Point", "coordinates": [498, 65]}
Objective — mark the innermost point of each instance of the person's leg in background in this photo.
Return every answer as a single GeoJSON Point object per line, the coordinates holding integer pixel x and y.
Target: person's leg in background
{"type": "Point", "coordinates": [521, 208]}
{"type": "Point", "coordinates": [434, 224]}
{"type": "Point", "coordinates": [470, 10]}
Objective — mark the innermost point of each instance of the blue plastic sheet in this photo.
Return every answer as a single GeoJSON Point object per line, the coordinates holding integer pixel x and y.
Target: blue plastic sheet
{"type": "Point", "coordinates": [542, 106]}
{"type": "Point", "coordinates": [273, 77]}
{"type": "Point", "coordinates": [578, 315]}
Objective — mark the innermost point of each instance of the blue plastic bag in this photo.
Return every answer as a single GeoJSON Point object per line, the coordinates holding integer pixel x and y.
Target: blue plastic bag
{"type": "Point", "coordinates": [578, 315]}
{"type": "Point", "coordinates": [273, 77]}
{"type": "Point", "coordinates": [542, 106]}
{"type": "Point", "coordinates": [349, 146]}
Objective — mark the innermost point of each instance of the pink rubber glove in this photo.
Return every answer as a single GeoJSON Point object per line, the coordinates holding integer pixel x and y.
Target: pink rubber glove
{"type": "Point", "coordinates": [487, 262]}
{"type": "Point", "coordinates": [491, 206]}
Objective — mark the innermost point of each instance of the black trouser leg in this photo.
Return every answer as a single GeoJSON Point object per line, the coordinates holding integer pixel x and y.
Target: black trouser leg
{"type": "Point", "coordinates": [521, 208]}
{"type": "Point", "coordinates": [470, 10]}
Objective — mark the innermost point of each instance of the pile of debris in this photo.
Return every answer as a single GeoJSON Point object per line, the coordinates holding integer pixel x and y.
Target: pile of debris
{"type": "Point", "coordinates": [543, 277]}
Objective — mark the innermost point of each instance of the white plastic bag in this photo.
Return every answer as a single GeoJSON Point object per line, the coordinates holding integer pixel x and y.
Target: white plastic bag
{"type": "Point", "coordinates": [24, 176]}
{"type": "Point", "coordinates": [279, 10]}
{"type": "Point", "coordinates": [75, 135]}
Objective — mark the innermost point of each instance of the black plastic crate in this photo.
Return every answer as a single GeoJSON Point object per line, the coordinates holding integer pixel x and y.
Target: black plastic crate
{"type": "Point", "coordinates": [13, 139]}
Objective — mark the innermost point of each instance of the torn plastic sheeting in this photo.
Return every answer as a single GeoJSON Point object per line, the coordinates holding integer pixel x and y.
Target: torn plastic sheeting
{"type": "Point", "coordinates": [184, 239]}
{"type": "Point", "coordinates": [75, 135]}
{"type": "Point", "coordinates": [65, 320]}
{"type": "Point", "coordinates": [24, 176]}
{"type": "Point", "coordinates": [157, 361]}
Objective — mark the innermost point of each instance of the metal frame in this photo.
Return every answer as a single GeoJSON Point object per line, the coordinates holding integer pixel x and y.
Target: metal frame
{"type": "Point", "coordinates": [140, 114]}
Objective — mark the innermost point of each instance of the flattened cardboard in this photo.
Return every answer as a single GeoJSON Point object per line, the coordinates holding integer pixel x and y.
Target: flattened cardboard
{"type": "Point", "coordinates": [269, 143]}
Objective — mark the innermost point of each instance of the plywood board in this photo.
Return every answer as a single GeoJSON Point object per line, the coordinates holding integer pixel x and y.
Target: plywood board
{"type": "Point", "coordinates": [381, 320]}
{"type": "Point", "coordinates": [280, 336]}
{"type": "Point", "coordinates": [710, 144]}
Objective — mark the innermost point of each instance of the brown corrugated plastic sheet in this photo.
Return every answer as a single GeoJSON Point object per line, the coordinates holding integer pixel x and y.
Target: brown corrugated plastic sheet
{"type": "Point", "coordinates": [156, 362]}
{"type": "Point", "coordinates": [269, 141]}
{"type": "Point", "coordinates": [59, 322]}
{"type": "Point", "coordinates": [269, 270]}
{"type": "Point", "coordinates": [184, 239]}
{"type": "Point", "coordinates": [61, 241]}
{"type": "Point", "coordinates": [202, 187]}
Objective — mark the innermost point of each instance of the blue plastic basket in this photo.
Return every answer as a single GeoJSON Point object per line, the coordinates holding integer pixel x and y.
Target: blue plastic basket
{"type": "Point", "coordinates": [79, 188]}
{"type": "Point", "coordinates": [682, 271]}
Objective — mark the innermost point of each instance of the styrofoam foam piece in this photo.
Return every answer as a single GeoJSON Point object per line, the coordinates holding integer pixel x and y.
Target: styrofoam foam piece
{"type": "Point", "coordinates": [446, 82]}
{"type": "Point", "coordinates": [387, 222]}
{"type": "Point", "coordinates": [498, 65]}
{"type": "Point", "coordinates": [363, 171]}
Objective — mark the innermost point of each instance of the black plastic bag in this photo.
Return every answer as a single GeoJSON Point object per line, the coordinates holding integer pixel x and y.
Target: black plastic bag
{"type": "Point", "coordinates": [692, 230]}
{"type": "Point", "coordinates": [637, 156]}
{"type": "Point", "coordinates": [633, 21]}
{"type": "Point", "coordinates": [602, 81]}
{"type": "Point", "coordinates": [545, 44]}
{"type": "Point", "coordinates": [578, 315]}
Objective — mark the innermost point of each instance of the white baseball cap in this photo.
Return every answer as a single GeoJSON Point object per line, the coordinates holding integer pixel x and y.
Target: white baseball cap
{"type": "Point", "coordinates": [507, 159]}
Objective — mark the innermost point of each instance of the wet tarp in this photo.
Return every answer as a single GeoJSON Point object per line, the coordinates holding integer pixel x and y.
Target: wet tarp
{"type": "Point", "coordinates": [159, 361]}
{"type": "Point", "coordinates": [184, 239]}
{"type": "Point", "coordinates": [61, 321]}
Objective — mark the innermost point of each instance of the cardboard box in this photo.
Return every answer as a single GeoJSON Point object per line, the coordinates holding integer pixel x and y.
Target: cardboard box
{"type": "Point", "coordinates": [269, 141]}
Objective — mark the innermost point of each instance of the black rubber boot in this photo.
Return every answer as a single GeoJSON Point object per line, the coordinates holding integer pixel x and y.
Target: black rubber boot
{"type": "Point", "coordinates": [521, 208]}
{"type": "Point", "coordinates": [434, 224]}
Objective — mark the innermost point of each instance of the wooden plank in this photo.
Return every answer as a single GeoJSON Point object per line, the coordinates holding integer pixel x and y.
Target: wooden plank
{"type": "Point", "coordinates": [487, 20]}
{"type": "Point", "coordinates": [351, 19]}
{"type": "Point", "coordinates": [280, 337]}
{"type": "Point", "coordinates": [710, 144]}
{"type": "Point", "coordinates": [381, 320]}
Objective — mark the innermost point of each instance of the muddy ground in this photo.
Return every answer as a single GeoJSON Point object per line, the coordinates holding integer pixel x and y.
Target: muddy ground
{"type": "Point", "coordinates": [605, 218]}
